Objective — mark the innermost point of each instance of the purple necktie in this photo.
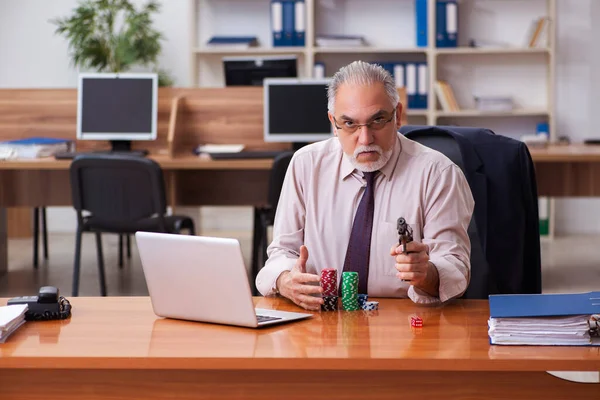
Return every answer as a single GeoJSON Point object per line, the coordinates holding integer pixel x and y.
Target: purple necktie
{"type": "Point", "coordinates": [359, 246]}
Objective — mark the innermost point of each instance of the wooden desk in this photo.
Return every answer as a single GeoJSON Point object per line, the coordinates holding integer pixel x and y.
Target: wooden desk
{"type": "Point", "coordinates": [117, 348]}
{"type": "Point", "coordinates": [572, 170]}
{"type": "Point", "coordinates": [561, 171]}
{"type": "Point", "coordinates": [190, 181]}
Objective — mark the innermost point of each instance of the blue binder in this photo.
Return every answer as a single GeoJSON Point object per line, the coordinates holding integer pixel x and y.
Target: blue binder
{"type": "Point", "coordinates": [411, 78]}
{"type": "Point", "coordinates": [299, 23]}
{"type": "Point", "coordinates": [544, 305]}
{"type": "Point", "coordinates": [422, 86]}
{"type": "Point", "coordinates": [421, 22]}
{"type": "Point", "coordinates": [446, 23]}
{"type": "Point", "coordinates": [277, 23]}
{"type": "Point", "coordinates": [288, 22]}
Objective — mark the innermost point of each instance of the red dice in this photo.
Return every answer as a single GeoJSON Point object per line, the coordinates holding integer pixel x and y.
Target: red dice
{"type": "Point", "coordinates": [416, 322]}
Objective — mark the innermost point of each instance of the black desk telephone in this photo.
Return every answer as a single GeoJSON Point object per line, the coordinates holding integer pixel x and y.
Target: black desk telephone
{"type": "Point", "coordinates": [46, 305]}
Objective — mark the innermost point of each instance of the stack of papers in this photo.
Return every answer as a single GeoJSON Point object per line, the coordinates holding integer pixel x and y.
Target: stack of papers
{"type": "Point", "coordinates": [553, 331]}
{"type": "Point", "coordinates": [219, 148]}
{"type": "Point", "coordinates": [35, 147]}
{"type": "Point", "coordinates": [545, 319]}
{"type": "Point", "coordinates": [340, 41]}
{"type": "Point", "coordinates": [11, 318]}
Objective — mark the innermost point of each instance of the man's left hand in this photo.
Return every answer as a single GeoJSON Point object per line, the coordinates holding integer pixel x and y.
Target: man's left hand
{"type": "Point", "coordinates": [415, 267]}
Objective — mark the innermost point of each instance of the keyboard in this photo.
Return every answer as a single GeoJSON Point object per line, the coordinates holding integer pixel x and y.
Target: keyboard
{"type": "Point", "coordinates": [245, 155]}
{"type": "Point", "coordinates": [265, 318]}
{"type": "Point", "coordinates": [69, 155]}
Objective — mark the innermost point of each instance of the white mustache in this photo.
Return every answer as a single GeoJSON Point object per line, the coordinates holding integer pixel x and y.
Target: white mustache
{"type": "Point", "coordinates": [363, 149]}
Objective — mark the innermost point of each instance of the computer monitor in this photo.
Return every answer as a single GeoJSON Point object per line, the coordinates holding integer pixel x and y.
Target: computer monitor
{"type": "Point", "coordinates": [117, 107]}
{"type": "Point", "coordinates": [251, 71]}
{"type": "Point", "coordinates": [295, 110]}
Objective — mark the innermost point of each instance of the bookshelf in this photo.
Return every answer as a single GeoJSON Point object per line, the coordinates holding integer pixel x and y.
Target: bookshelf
{"type": "Point", "coordinates": [510, 68]}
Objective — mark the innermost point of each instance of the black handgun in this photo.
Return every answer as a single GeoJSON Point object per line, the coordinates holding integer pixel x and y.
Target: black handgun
{"type": "Point", "coordinates": [405, 233]}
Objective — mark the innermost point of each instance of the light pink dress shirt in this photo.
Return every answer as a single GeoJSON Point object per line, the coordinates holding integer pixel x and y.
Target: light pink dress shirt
{"type": "Point", "coordinates": [321, 194]}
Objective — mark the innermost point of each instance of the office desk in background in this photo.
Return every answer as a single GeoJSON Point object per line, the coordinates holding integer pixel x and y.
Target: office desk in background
{"type": "Point", "coordinates": [117, 348]}
{"type": "Point", "coordinates": [561, 171]}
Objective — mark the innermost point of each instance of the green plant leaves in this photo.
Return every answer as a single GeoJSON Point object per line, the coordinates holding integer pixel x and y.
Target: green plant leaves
{"type": "Point", "coordinates": [112, 35]}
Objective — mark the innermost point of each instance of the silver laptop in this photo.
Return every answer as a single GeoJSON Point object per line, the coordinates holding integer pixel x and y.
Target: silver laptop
{"type": "Point", "coordinates": [203, 279]}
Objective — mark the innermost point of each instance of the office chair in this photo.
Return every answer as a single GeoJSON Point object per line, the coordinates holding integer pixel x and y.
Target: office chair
{"type": "Point", "coordinates": [39, 218]}
{"type": "Point", "coordinates": [37, 212]}
{"type": "Point", "coordinates": [118, 194]}
{"type": "Point", "coordinates": [265, 216]}
{"type": "Point", "coordinates": [480, 271]}
{"type": "Point", "coordinates": [504, 230]}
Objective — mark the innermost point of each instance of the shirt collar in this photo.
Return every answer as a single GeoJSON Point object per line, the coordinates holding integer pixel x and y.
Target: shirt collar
{"type": "Point", "coordinates": [388, 169]}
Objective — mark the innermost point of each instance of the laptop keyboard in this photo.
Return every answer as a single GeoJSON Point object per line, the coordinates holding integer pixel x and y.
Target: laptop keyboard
{"type": "Point", "coordinates": [265, 318]}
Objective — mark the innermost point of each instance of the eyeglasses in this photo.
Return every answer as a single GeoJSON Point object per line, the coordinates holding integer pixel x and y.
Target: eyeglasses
{"type": "Point", "coordinates": [376, 124]}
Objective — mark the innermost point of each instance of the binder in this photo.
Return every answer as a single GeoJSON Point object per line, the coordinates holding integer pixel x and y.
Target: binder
{"type": "Point", "coordinates": [544, 305]}
{"type": "Point", "coordinates": [421, 22]}
{"type": "Point", "coordinates": [422, 85]}
{"type": "Point", "coordinates": [451, 24]}
{"type": "Point", "coordinates": [319, 70]}
{"type": "Point", "coordinates": [545, 319]}
{"type": "Point", "coordinates": [277, 22]}
{"type": "Point", "coordinates": [299, 23]}
{"type": "Point", "coordinates": [399, 76]}
{"type": "Point", "coordinates": [288, 22]}
{"type": "Point", "coordinates": [411, 85]}
{"type": "Point", "coordinates": [544, 215]}
{"type": "Point", "coordinates": [446, 24]}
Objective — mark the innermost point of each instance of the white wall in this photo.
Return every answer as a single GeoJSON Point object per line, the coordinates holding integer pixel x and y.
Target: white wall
{"type": "Point", "coordinates": [32, 56]}
{"type": "Point", "coordinates": [578, 82]}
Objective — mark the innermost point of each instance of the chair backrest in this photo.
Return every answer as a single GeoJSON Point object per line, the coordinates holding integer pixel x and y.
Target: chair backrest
{"type": "Point", "coordinates": [277, 176]}
{"type": "Point", "coordinates": [480, 270]}
{"type": "Point", "coordinates": [117, 188]}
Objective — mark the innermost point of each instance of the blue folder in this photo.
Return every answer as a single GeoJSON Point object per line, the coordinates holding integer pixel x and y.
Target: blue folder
{"type": "Point", "coordinates": [36, 141]}
{"type": "Point", "coordinates": [421, 22]}
{"type": "Point", "coordinates": [544, 305]}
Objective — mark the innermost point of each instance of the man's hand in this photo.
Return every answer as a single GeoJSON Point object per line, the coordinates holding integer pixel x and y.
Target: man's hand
{"type": "Point", "coordinates": [416, 268]}
{"type": "Point", "coordinates": [295, 284]}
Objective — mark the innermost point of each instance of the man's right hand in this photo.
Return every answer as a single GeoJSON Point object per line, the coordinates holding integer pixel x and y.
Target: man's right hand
{"type": "Point", "coordinates": [296, 284]}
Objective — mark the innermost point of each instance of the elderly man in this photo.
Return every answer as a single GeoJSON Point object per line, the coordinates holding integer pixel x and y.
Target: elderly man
{"type": "Point", "coordinates": [342, 197]}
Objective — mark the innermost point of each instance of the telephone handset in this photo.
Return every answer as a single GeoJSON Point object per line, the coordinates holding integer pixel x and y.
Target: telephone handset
{"type": "Point", "coordinates": [47, 305]}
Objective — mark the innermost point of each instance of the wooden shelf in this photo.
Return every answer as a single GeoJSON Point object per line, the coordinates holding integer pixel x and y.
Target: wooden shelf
{"type": "Point", "coordinates": [417, 113]}
{"type": "Point", "coordinates": [478, 113]}
{"type": "Point", "coordinates": [251, 50]}
{"type": "Point", "coordinates": [491, 50]}
{"type": "Point", "coordinates": [366, 49]}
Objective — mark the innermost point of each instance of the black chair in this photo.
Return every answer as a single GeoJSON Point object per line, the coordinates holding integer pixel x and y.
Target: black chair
{"type": "Point", "coordinates": [264, 216]}
{"type": "Point", "coordinates": [40, 221]}
{"type": "Point", "coordinates": [480, 271]}
{"type": "Point", "coordinates": [504, 230]}
{"type": "Point", "coordinates": [118, 194]}
{"type": "Point", "coordinates": [37, 213]}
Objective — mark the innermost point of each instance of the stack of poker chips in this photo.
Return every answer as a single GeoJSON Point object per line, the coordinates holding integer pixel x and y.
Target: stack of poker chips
{"type": "Point", "coordinates": [362, 300]}
{"type": "Point", "coordinates": [371, 306]}
{"type": "Point", "coordinates": [350, 291]}
{"type": "Point", "coordinates": [329, 285]}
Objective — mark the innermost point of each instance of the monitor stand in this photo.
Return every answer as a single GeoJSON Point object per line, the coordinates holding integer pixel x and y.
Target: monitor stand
{"type": "Point", "coordinates": [123, 147]}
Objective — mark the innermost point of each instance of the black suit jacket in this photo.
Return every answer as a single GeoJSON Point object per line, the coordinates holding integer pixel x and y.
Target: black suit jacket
{"type": "Point", "coordinates": [501, 175]}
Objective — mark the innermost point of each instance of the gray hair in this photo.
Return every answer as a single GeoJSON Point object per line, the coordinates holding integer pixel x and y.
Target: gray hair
{"type": "Point", "coordinates": [362, 73]}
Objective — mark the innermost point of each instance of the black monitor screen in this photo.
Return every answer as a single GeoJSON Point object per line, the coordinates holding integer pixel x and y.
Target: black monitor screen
{"type": "Point", "coordinates": [251, 72]}
{"type": "Point", "coordinates": [298, 109]}
{"type": "Point", "coordinates": [116, 105]}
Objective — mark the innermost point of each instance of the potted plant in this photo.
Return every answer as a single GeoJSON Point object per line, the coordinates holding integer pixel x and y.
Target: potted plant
{"type": "Point", "coordinates": [113, 36]}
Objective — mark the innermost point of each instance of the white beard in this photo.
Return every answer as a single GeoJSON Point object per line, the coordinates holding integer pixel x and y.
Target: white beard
{"type": "Point", "coordinates": [384, 157]}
